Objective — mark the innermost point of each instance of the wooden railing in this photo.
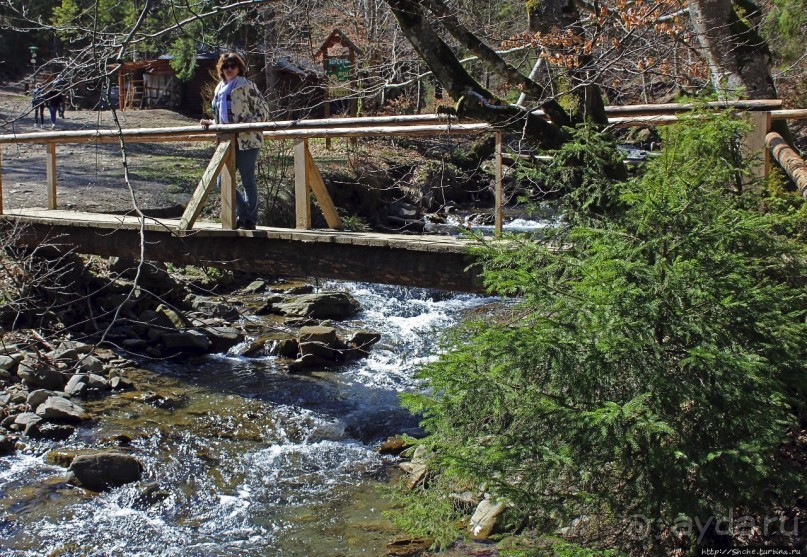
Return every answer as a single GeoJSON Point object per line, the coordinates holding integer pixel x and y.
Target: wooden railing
{"type": "Point", "coordinates": [306, 174]}
{"type": "Point", "coordinates": [789, 160]}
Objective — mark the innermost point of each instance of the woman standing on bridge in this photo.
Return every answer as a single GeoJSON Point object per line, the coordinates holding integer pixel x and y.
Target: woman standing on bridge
{"type": "Point", "coordinates": [236, 101]}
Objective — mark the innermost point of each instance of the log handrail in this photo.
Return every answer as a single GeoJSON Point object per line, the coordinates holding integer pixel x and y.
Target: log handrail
{"type": "Point", "coordinates": [790, 161]}
{"type": "Point", "coordinates": [761, 113]}
{"type": "Point", "coordinates": [377, 125]}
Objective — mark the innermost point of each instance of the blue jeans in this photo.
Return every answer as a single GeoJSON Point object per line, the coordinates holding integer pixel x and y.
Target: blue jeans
{"type": "Point", "coordinates": [247, 202]}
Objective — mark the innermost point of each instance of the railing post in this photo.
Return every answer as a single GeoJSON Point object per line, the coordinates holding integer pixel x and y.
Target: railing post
{"type": "Point", "coordinates": [302, 190]}
{"type": "Point", "coordinates": [498, 193]}
{"type": "Point", "coordinates": [754, 147]}
{"type": "Point", "coordinates": [227, 182]}
{"type": "Point", "coordinates": [50, 150]}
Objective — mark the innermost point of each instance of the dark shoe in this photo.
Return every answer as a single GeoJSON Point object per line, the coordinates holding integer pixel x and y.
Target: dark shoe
{"type": "Point", "coordinates": [239, 223]}
{"type": "Point", "coordinates": [247, 225]}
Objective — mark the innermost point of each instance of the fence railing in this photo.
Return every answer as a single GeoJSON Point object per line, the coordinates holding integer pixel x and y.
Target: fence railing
{"type": "Point", "coordinates": [306, 173]}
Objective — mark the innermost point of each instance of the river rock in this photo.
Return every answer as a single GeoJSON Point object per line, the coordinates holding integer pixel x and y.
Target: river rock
{"type": "Point", "coordinates": [8, 363]}
{"type": "Point", "coordinates": [363, 339]}
{"type": "Point", "coordinates": [48, 430]}
{"type": "Point", "coordinates": [255, 286]}
{"type": "Point", "coordinates": [214, 308]}
{"type": "Point", "coordinates": [324, 335]}
{"type": "Point", "coordinates": [104, 469]}
{"type": "Point", "coordinates": [37, 397]}
{"type": "Point", "coordinates": [408, 546]}
{"type": "Point", "coordinates": [323, 305]}
{"type": "Point", "coordinates": [91, 364]}
{"type": "Point", "coordinates": [151, 495]}
{"type": "Point", "coordinates": [309, 361]}
{"type": "Point", "coordinates": [66, 355]}
{"type": "Point", "coordinates": [80, 347]}
{"type": "Point", "coordinates": [486, 519]}
{"type": "Point", "coordinates": [81, 383]}
{"type": "Point", "coordinates": [7, 444]}
{"type": "Point", "coordinates": [149, 319]}
{"type": "Point", "coordinates": [285, 348]}
{"type": "Point", "coordinates": [26, 419]}
{"type": "Point", "coordinates": [187, 341]}
{"type": "Point", "coordinates": [59, 408]}
{"type": "Point", "coordinates": [178, 320]}
{"type": "Point", "coordinates": [119, 383]}
{"type": "Point", "coordinates": [394, 446]}
{"type": "Point", "coordinates": [37, 374]}
{"type": "Point", "coordinates": [319, 349]}
{"type": "Point", "coordinates": [222, 338]}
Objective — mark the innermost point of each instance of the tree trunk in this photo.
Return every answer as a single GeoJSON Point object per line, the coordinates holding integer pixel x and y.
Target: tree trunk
{"type": "Point", "coordinates": [473, 100]}
{"type": "Point", "coordinates": [738, 57]}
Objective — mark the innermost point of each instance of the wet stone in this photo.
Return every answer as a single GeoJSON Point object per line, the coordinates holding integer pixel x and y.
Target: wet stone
{"type": "Point", "coordinates": [325, 335]}
{"type": "Point", "coordinates": [408, 546]}
{"type": "Point", "coordinates": [7, 444]}
{"type": "Point", "coordinates": [37, 375]}
{"type": "Point", "coordinates": [58, 408]}
{"type": "Point", "coordinates": [37, 397]}
{"type": "Point", "coordinates": [102, 470]}
{"type": "Point", "coordinates": [47, 430]}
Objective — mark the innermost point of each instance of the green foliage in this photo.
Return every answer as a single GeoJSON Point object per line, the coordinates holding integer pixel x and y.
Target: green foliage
{"type": "Point", "coordinates": [355, 223]}
{"type": "Point", "coordinates": [785, 28]}
{"type": "Point", "coordinates": [183, 62]}
{"type": "Point", "coordinates": [583, 167]}
{"type": "Point", "coordinates": [421, 514]}
{"type": "Point", "coordinates": [655, 361]}
{"type": "Point", "coordinates": [524, 546]}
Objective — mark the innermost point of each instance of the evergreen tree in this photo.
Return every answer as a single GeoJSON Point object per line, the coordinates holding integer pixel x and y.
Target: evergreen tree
{"type": "Point", "coordinates": [653, 366]}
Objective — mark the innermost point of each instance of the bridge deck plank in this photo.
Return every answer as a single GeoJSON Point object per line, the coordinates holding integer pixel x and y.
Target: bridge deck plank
{"type": "Point", "coordinates": [213, 229]}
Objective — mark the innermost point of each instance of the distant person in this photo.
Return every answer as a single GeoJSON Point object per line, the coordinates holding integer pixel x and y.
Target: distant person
{"type": "Point", "coordinates": [54, 99]}
{"type": "Point", "coordinates": [237, 100]}
{"type": "Point", "coordinates": [38, 103]}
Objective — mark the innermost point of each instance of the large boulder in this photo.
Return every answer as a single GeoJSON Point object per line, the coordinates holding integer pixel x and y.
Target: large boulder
{"type": "Point", "coordinates": [322, 305]}
{"type": "Point", "coordinates": [37, 374]}
{"type": "Point", "coordinates": [222, 338]}
{"type": "Point", "coordinates": [188, 341]}
{"type": "Point", "coordinates": [324, 335]}
{"type": "Point", "coordinates": [104, 469]}
{"type": "Point", "coordinates": [486, 519]}
{"type": "Point", "coordinates": [59, 408]}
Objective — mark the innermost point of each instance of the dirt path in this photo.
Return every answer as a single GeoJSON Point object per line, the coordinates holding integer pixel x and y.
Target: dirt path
{"type": "Point", "coordinates": [91, 177]}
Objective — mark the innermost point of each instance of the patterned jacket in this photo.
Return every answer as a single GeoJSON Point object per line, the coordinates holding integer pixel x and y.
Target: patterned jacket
{"type": "Point", "coordinates": [246, 105]}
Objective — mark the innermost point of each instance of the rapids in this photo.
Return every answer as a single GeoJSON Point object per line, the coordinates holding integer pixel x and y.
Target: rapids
{"type": "Point", "coordinates": [248, 459]}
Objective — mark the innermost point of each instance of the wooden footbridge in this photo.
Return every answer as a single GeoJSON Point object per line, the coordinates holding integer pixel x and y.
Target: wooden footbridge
{"type": "Point", "coordinates": [424, 261]}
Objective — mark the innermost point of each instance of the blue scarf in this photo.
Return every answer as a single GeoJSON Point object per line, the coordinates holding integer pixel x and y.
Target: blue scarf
{"type": "Point", "coordinates": [223, 100]}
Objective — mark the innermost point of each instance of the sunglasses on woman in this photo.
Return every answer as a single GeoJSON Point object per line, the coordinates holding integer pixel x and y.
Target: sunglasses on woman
{"type": "Point", "coordinates": [228, 66]}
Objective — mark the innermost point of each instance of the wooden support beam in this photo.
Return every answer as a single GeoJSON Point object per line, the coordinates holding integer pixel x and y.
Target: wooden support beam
{"type": "Point", "coordinates": [754, 148]}
{"type": "Point", "coordinates": [792, 163]}
{"type": "Point", "coordinates": [50, 150]}
{"type": "Point", "coordinates": [228, 188]}
{"type": "Point", "coordinates": [205, 185]}
{"type": "Point", "coordinates": [317, 185]}
{"type": "Point", "coordinates": [499, 224]}
{"type": "Point", "coordinates": [302, 198]}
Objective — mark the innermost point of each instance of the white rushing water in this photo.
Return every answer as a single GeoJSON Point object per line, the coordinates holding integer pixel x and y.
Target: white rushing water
{"type": "Point", "coordinates": [259, 462]}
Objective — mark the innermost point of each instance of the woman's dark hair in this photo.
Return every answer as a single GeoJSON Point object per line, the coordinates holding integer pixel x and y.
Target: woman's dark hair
{"type": "Point", "coordinates": [230, 58]}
